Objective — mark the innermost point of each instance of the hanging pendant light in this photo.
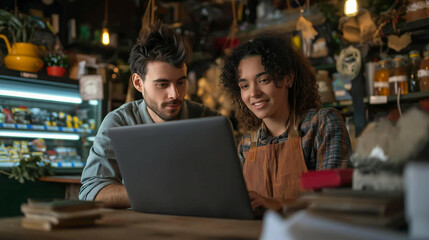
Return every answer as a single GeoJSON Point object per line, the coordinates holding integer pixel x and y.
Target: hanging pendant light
{"type": "Point", "coordinates": [351, 8]}
{"type": "Point", "coordinates": [105, 38]}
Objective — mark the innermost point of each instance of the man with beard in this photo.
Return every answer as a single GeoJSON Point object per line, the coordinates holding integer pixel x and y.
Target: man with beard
{"type": "Point", "coordinates": [159, 72]}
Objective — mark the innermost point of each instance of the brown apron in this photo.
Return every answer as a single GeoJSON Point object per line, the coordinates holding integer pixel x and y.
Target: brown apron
{"type": "Point", "coordinates": [274, 171]}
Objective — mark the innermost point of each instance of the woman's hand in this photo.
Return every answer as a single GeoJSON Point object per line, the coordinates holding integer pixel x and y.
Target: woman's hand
{"type": "Point", "coordinates": [260, 201]}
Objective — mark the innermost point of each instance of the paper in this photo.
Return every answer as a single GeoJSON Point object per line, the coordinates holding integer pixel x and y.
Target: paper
{"type": "Point", "coordinates": [91, 87]}
{"type": "Point", "coordinates": [304, 225]}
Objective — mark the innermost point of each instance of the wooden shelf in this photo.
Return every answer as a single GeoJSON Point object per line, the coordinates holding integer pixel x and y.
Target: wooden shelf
{"type": "Point", "coordinates": [281, 27]}
{"type": "Point", "coordinates": [40, 76]}
{"type": "Point", "coordinates": [339, 104]}
{"type": "Point", "coordinates": [422, 24]}
{"type": "Point", "coordinates": [411, 97]}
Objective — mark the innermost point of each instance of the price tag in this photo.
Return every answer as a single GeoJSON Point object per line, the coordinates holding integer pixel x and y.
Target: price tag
{"type": "Point", "coordinates": [346, 102]}
{"type": "Point", "coordinates": [66, 164]}
{"type": "Point", "coordinates": [21, 126]}
{"type": "Point", "coordinates": [378, 100]}
{"type": "Point", "coordinates": [51, 128]}
{"type": "Point", "coordinates": [66, 129]}
{"type": "Point", "coordinates": [28, 75]}
{"type": "Point", "coordinates": [8, 125]}
{"type": "Point", "coordinates": [38, 127]}
{"type": "Point", "coordinates": [340, 93]}
{"type": "Point", "coordinates": [381, 84]}
{"type": "Point", "coordinates": [348, 86]}
{"type": "Point", "coordinates": [80, 130]}
{"type": "Point", "coordinates": [7, 164]}
{"type": "Point", "coordinates": [79, 164]}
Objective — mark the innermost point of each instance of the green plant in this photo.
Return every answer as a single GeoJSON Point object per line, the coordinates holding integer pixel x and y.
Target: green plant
{"type": "Point", "coordinates": [30, 169]}
{"type": "Point", "coordinates": [19, 29]}
{"type": "Point", "coordinates": [57, 59]}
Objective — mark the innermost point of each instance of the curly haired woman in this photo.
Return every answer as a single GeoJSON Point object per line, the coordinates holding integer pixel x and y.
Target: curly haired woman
{"type": "Point", "coordinates": [275, 91]}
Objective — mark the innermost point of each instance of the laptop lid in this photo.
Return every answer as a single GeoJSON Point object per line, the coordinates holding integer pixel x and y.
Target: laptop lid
{"type": "Point", "coordinates": [184, 167]}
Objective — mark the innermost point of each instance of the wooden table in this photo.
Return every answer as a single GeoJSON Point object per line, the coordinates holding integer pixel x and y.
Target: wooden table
{"type": "Point", "coordinates": [127, 224]}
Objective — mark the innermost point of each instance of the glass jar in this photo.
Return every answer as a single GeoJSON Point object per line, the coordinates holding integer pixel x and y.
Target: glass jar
{"type": "Point", "coordinates": [413, 81]}
{"type": "Point", "coordinates": [381, 79]}
{"type": "Point", "coordinates": [398, 80]}
{"type": "Point", "coordinates": [423, 73]}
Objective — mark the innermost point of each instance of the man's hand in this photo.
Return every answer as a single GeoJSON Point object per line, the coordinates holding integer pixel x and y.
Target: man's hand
{"type": "Point", "coordinates": [260, 201]}
{"type": "Point", "coordinates": [113, 196]}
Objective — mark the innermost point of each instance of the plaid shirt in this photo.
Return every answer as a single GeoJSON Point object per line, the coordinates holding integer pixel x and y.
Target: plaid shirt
{"type": "Point", "coordinates": [324, 138]}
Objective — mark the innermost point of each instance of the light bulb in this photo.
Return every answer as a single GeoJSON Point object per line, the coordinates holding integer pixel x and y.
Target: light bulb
{"type": "Point", "coordinates": [105, 39]}
{"type": "Point", "coordinates": [351, 8]}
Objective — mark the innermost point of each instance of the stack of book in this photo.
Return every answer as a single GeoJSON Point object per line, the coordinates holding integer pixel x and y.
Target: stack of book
{"type": "Point", "coordinates": [373, 208]}
{"type": "Point", "coordinates": [49, 215]}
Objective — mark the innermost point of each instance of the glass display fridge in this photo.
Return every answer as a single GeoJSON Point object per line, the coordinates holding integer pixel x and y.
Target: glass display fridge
{"type": "Point", "coordinates": [45, 116]}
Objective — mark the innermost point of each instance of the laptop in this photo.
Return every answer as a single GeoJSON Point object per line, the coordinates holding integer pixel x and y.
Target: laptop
{"type": "Point", "coordinates": [184, 167]}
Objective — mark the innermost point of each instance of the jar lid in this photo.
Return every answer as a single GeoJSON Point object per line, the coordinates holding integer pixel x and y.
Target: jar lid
{"type": "Point", "coordinates": [414, 53]}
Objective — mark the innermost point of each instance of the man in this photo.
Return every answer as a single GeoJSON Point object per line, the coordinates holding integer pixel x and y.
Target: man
{"type": "Point", "coordinates": [159, 72]}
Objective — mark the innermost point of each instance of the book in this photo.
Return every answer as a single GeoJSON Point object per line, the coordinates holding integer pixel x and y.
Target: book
{"type": "Point", "coordinates": [379, 203]}
{"type": "Point", "coordinates": [28, 210]}
{"type": "Point", "coordinates": [327, 178]}
{"type": "Point", "coordinates": [373, 208]}
{"type": "Point", "coordinates": [61, 205]}
{"type": "Point", "coordinates": [395, 220]}
{"type": "Point", "coordinates": [49, 215]}
{"type": "Point", "coordinates": [48, 225]}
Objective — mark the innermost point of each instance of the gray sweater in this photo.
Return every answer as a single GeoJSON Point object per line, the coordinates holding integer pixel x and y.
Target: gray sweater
{"type": "Point", "coordinates": [101, 167]}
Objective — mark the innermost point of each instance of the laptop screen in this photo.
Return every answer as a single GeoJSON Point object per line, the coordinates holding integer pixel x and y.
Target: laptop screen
{"type": "Point", "coordinates": [185, 167]}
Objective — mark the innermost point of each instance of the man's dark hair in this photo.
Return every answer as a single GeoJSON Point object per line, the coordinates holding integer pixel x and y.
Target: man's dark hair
{"type": "Point", "coordinates": [158, 43]}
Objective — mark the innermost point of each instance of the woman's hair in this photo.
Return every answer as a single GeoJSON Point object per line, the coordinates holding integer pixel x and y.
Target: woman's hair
{"type": "Point", "coordinates": [158, 43]}
{"type": "Point", "coordinates": [280, 58]}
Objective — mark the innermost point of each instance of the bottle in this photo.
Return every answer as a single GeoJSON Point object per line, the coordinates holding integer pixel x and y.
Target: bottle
{"type": "Point", "coordinates": [413, 81]}
{"type": "Point", "coordinates": [423, 73]}
{"type": "Point", "coordinates": [398, 77]}
{"type": "Point", "coordinates": [2, 116]}
{"type": "Point", "coordinates": [381, 79]}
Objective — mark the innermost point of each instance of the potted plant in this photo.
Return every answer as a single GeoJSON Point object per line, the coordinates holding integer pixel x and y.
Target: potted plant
{"type": "Point", "coordinates": [22, 54]}
{"type": "Point", "coordinates": [56, 64]}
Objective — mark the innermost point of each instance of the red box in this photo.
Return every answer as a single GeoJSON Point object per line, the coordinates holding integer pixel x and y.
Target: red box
{"type": "Point", "coordinates": [330, 178]}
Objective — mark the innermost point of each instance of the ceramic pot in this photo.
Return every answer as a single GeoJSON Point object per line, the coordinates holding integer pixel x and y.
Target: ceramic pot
{"type": "Point", "coordinates": [22, 56]}
{"type": "Point", "coordinates": [56, 71]}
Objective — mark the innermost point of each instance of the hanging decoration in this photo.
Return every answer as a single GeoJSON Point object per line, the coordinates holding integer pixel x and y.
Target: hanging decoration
{"type": "Point", "coordinates": [308, 32]}
{"type": "Point", "coordinates": [149, 16]}
{"type": "Point", "coordinates": [398, 43]}
{"type": "Point", "coordinates": [391, 18]}
{"type": "Point", "coordinates": [230, 41]}
{"type": "Point", "coordinates": [360, 28]}
{"type": "Point", "coordinates": [349, 62]}
{"type": "Point", "coordinates": [306, 28]}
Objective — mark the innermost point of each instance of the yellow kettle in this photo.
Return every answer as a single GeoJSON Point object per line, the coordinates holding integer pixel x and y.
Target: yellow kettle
{"type": "Point", "coordinates": [22, 56]}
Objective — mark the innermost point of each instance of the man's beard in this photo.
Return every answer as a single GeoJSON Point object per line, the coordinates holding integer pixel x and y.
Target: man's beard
{"type": "Point", "coordinates": [165, 115]}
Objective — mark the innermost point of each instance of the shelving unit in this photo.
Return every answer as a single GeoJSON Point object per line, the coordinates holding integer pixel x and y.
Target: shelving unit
{"type": "Point", "coordinates": [418, 25]}
{"type": "Point", "coordinates": [411, 97]}
{"type": "Point", "coordinates": [66, 143]}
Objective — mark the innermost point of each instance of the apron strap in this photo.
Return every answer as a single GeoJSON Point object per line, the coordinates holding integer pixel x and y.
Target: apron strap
{"type": "Point", "coordinates": [254, 136]}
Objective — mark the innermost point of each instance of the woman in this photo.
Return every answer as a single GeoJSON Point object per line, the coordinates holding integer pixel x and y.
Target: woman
{"type": "Point", "coordinates": [275, 90]}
